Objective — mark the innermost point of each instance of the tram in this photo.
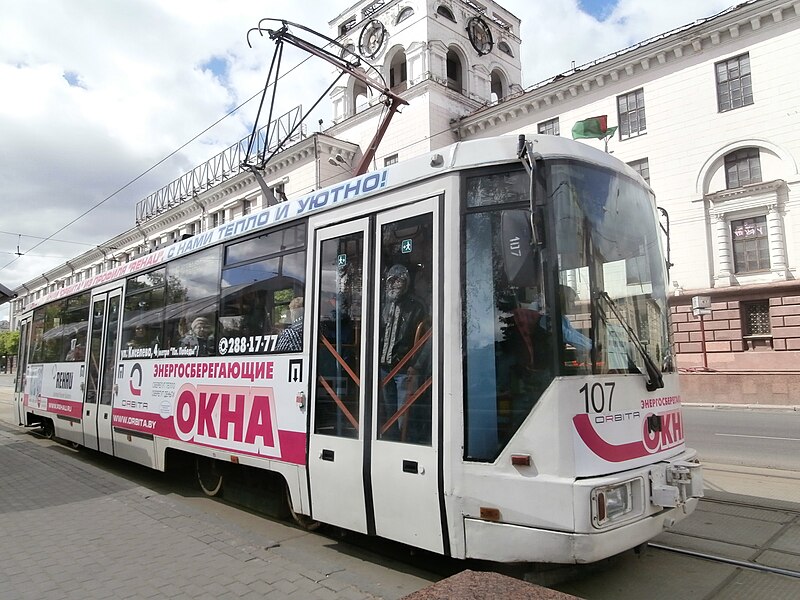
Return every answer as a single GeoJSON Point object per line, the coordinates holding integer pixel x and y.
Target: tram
{"type": "Point", "coordinates": [468, 352]}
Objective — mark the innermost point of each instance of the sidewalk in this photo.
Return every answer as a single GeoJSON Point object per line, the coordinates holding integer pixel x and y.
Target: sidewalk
{"type": "Point", "coordinates": [73, 530]}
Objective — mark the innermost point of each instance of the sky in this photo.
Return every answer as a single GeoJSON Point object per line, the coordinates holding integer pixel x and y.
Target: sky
{"type": "Point", "coordinates": [96, 93]}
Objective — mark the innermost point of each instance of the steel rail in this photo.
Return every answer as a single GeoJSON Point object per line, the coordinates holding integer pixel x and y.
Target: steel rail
{"type": "Point", "coordinates": [730, 561]}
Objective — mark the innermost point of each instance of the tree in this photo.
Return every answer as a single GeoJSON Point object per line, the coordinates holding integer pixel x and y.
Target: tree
{"type": "Point", "coordinates": [9, 344]}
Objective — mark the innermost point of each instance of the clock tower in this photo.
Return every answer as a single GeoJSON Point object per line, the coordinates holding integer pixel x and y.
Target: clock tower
{"type": "Point", "coordinates": [447, 58]}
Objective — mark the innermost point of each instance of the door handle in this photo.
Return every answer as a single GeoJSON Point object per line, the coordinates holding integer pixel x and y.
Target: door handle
{"type": "Point", "coordinates": [410, 466]}
{"type": "Point", "coordinates": [326, 455]}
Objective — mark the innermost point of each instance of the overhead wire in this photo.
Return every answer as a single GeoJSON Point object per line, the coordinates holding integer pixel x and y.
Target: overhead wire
{"type": "Point", "coordinates": [157, 164]}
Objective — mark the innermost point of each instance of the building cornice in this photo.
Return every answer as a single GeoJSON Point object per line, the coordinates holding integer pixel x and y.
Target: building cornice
{"type": "Point", "coordinates": [675, 45]}
{"type": "Point", "coordinates": [766, 189]}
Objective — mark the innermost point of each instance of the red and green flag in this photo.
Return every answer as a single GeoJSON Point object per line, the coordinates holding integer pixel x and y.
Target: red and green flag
{"type": "Point", "coordinates": [594, 127]}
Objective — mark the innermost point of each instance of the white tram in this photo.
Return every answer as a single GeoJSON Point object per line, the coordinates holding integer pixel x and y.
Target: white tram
{"type": "Point", "coordinates": [467, 352]}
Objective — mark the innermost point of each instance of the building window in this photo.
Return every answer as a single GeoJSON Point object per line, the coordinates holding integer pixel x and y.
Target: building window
{"type": "Point", "coordinates": [404, 14]}
{"type": "Point", "coordinates": [453, 71]}
{"type": "Point", "coordinates": [390, 160]}
{"type": "Point", "coordinates": [734, 86]}
{"type": "Point", "coordinates": [750, 244]}
{"type": "Point", "coordinates": [742, 167]}
{"type": "Point", "coordinates": [446, 13]}
{"type": "Point", "coordinates": [246, 207]}
{"type": "Point", "coordinates": [214, 219]}
{"type": "Point", "coordinates": [347, 25]}
{"type": "Point", "coordinates": [279, 190]}
{"type": "Point", "coordinates": [398, 74]}
{"type": "Point", "coordinates": [755, 318]}
{"type": "Point", "coordinates": [642, 167]}
{"type": "Point", "coordinates": [549, 127]}
{"type": "Point", "coordinates": [630, 109]}
{"type": "Point", "coordinates": [497, 86]}
{"type": "Point", "coordinates": [505, 48]}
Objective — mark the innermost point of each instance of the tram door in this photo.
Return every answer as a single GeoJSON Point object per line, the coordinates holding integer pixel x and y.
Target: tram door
{"type": "Point", "coordinates": [101, 356]}
{"type": "Point", "coordinates": [22, 366]}
{"type": "Point", "coordinates": [373, 461]}
{"type": "Point", "coordinates": [336, 445]}
{"type": "Point", "coordinates": [404, 462]}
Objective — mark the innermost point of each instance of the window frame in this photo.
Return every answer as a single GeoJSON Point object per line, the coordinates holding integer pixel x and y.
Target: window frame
{"type": "Point", "coordinates": [624, 116]}
{"type": "Point", "coordinates": [741, 83]}
{"type": "Point", "coordinates": [642, 167]}
{"type": "Point", "coordinates": [748, 331]}
{"type": "Point", "coordinates": [552, 124]}
{"type": "Point", "coordinates": [739, 269]}
{"type": "Point", "coordinates": [739, 158]}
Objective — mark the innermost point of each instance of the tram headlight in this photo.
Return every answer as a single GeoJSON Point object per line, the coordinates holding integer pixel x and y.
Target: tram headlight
{"type": "Point", "coordinates": [611, 503]}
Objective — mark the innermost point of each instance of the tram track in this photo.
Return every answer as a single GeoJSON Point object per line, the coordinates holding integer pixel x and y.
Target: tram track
{"type": "Point", "coordinates": [793, 514]}
{"type": "Point", "coordinates": [730, 561]}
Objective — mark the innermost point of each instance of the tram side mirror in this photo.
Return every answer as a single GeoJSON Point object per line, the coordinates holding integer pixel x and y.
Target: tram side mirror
{"type": "Point", "coordinates": [520, 254]}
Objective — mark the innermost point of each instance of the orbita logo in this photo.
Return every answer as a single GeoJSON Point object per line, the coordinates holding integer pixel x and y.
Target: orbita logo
{"type": "Point", "coordinates": [663, 432]}
{"type": "Point", "coordinates": [621, 439]}
{"type": "Point", "coordinates": [231, 417]}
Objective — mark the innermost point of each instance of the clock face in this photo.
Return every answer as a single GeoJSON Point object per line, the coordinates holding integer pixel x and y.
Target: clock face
{"type": "Point", "coordinates": [371, 40]}
{"type": "Point", "coordinates": [480, 35]}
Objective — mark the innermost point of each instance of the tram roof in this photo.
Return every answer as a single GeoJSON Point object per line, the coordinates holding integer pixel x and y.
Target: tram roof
{"type": "Point", "coordinates": [455, 157]}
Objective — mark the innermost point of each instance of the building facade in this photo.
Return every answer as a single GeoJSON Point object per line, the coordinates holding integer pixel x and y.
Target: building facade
{"type": "Point", "coordinates": [706, 113]}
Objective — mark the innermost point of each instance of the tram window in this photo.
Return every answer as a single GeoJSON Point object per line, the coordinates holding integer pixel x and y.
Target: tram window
{"type": "Point", "coordinates": [508, 360]}
{"type": "Point", "coordinates": [37, 336]}
{"type": "Point", "coordinates": [60, 330]}
{"type": "Point", "coordinates": [190, 313]}
{"type": "Point", "coordinates": [275, 242]}
{"type": "Point", "coordinates": [498, 188]}
{"type": "Point", "coordinates": [404, 340]}
{"type": "Point", "coordinates": [263, 282]}
{"type": "Point", "coordinates": [337, 403]}
{"type": "Point", "coordinates": [144, 310]}
{"type": "Point", "coordinates": [621, 258]}
{"type": "Point", "coordinates": [76, 326]}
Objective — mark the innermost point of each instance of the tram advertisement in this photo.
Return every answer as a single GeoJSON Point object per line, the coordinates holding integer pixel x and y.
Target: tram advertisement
{"type": "Point", "coordinates": [55, 388]}
{"type": "Point", "coordinates": [619, 425]}
{"type": "Point", "coordinates": [243, 405]}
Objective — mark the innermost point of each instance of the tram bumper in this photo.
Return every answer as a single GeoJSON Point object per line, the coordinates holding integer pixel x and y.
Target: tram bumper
{"type": "Point", "coordinates": [506, 542]}
{"type": "Point", "coordinates": [611, 514]}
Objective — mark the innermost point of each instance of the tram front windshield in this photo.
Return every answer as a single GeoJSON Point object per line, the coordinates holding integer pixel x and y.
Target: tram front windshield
{"type": "Point", "coordinates": [602, 239]}
{"type": "Point", "coordinates": [612, 274]}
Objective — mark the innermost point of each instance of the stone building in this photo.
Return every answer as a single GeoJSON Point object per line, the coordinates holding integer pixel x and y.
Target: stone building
{"type": "Point", "coordinates": [706, 113]}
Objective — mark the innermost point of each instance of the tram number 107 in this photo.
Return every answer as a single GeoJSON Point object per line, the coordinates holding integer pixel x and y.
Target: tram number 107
{"type": "Point", "coordinates": [594, 396]}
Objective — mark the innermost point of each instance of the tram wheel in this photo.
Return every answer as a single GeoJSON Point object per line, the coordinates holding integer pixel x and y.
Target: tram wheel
{"type": "Point", "coordinates": [48, 429]}
{"type": "Point", "coordinates": [209, 476]}
{"type": "Point", "coordinates": [303, 521]}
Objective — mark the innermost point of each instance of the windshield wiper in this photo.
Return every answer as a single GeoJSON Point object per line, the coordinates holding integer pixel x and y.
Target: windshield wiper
{"type": "Point", "coordinates": [654, 379]}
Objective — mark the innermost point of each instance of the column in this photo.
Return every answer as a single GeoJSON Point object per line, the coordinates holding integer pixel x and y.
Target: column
{"type": "Point", "coordinates": [724, 250]}
{"type": "Point", "coordinates": [777, 244]}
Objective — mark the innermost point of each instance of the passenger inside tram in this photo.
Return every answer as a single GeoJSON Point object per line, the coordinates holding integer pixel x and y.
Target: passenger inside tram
{"type": "Point", "coordinates": [200, 337]}
{"type": "Point", "coordinates": [139, 339]}
{"type": "Point", "coordinates": [401, 315]}
{"type": "Point", "coordinates": [291, 338]}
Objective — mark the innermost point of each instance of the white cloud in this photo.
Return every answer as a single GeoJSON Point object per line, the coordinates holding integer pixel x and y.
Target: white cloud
{"type": "Point", "coordinates": [96, 92]}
